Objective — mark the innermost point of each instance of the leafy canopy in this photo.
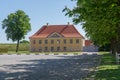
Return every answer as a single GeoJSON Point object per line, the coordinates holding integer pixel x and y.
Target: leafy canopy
{"type": "Point", "coordinates": [16, 25]}
{"type": "Point", "coordinates": [100, 18]}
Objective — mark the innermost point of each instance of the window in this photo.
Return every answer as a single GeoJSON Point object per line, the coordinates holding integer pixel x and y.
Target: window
{"type": "Point", "coordinates": [52, 41]}
{"type": "Point", "coordinates": [33, 49]}
{"type": "Point", "coordinates": [58, 41]}
{"type": "Point", "coordinates": [40, 50]}
{"type": "Point", "coordinates": [40, 41]}
{"type": "Point", "coordinates": [46, 41]}
{"type": "Point", "coordinates": [58, 48]}
{"type": "Point", "coordinates": [64, 41]}
{"type": "Point", "coordinates": [46, 48]}
{"type": "Point", "coordinates": [34, 41]}
{"type": "Point", "coordinates": [64, 48]}
{"type": "Point", "coordinates": [77, 40]}
{"type": "Point", "coordinates": [71, 41]}
{"type": "Point", "coordinates": [52, 48]}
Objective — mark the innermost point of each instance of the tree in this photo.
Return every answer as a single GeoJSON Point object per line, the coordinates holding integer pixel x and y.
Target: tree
{"type": "Point", "coordinates": [100, 19]}
{"type": "Point", "coordinates": [16, 26]}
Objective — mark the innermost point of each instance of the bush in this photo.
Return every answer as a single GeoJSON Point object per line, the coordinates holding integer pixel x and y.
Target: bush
{"type": "Point", "coordinates": [105, 47]}
{"type": "Point", "coordinates": [24, 47]}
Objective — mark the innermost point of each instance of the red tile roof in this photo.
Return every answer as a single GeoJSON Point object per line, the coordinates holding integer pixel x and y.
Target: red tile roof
{"type": "Point", "coordinates": [88, 42]}
{"type": "Point", "coordinates": [64, 30]}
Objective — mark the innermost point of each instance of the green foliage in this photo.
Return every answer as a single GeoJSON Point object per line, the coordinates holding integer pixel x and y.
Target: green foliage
{"type": "Point", "coordinates": [105, 47]}
{"type": "Point", "coordinates": [24, 47]}
{"type": "Point", "coordinates": [24, 41]}
{"type": "Point", "coordinates": [16, 26]}
{"type": "Point", "coordinates": [100, 19]}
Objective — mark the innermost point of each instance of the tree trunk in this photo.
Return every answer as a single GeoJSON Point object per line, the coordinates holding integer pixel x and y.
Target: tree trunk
{"type": "Point", "coordinates": [17, 46]}
{"type": "Point", "coordinates": [118, 30]}
{"type": "Point", "coordinates": [118, 39]}
{"type": "Point", "coordinates": [118, 43]}
{"type": "Point", "coordinates": [118, 48]}
{"type": "Point", "coordinates": [113, 46]}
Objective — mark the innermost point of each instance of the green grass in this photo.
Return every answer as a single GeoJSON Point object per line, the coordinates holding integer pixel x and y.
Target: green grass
{"type": "Point", "coordinates": [12, 47]}
{"type": "Point", "coordinates": [108, 69]}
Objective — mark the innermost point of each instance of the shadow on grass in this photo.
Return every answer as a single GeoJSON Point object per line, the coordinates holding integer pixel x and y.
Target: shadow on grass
{"type": "Point", "coordinates": [107, 59]}
{"type": "Point", "coordinates": [108, 74]}
{"type": "Point", "coordinates": [108, 70]}
{"type": "Point", "coordinates": [66, 68]}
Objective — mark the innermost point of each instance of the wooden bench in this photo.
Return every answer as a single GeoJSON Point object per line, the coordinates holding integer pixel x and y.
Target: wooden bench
{"type": "Point", "coordinates": [118, 58]}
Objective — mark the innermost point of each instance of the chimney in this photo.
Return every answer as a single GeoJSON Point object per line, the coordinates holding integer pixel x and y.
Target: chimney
{"type": "Point", "coordinates": [47, 24]}
{"type": "Point", "coordinates": [68, 23]}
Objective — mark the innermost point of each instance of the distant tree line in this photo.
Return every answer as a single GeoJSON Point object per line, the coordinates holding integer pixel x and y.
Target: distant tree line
{"type": "Point", "coordinates": [24, 41]}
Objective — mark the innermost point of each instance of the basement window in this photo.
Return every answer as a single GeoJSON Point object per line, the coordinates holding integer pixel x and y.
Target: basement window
{"type": "Point", "coordinates": [64, 48]}
{"type": "Point", "coordinates": [46, 48]}
{"type": "Point", "coordinates": [52, 48]}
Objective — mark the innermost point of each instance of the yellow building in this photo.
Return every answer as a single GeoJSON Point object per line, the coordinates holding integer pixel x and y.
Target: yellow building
{"type": "Point", "coordinates": [56, 38]}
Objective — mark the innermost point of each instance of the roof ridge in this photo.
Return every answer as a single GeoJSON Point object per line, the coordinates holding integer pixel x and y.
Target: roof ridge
{"type": "Point", "coordinates": [40, 30]}
{"type": "Point", "coordinates": [78, 32]}
{"type": "Point", "coordinates": [63, 29]}
{"type": "Point", "coordinates": [58, 25]}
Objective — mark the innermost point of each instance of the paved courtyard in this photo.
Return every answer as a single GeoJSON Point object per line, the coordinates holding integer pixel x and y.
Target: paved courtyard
{"type": "Point", "coordinates": [47, 67]}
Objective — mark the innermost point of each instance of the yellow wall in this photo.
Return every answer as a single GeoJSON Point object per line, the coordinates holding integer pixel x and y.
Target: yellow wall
{"type": "Point", "coordinates": [69, 47]}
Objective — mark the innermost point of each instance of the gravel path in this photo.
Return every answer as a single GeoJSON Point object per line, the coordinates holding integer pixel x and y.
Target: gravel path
{"type": "Point", "coordinates": [47, 67]}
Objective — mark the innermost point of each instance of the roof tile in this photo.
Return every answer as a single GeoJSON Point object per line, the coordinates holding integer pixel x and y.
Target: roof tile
{"type": "Point", "coordinates": [64, 30]}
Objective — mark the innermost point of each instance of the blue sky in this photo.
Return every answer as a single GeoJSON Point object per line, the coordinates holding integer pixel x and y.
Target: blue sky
{"type": "Point", "coordinates": [40, 13]}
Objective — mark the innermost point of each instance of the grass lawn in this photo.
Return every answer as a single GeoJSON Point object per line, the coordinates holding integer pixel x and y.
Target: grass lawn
{"type": "Point", "coordinates": [11, 48]}
{"type": "Point", "coordinates": [108, 69]}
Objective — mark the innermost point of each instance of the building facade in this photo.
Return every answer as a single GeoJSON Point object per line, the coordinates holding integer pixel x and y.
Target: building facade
{"type": "Point", "coordinates": [90, 47]}
{"type": "Point", "coordinates": [56, 38]}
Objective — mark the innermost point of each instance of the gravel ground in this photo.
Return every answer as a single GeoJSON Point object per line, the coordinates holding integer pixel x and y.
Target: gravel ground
{"type": "Point", "coordinates": [47, 67]}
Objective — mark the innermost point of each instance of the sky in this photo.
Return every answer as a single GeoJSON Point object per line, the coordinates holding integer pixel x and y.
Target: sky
{"type": "Point", "coordinates": [40, 12]}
